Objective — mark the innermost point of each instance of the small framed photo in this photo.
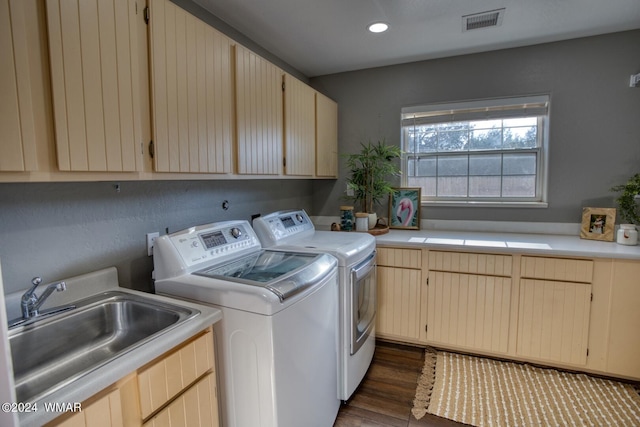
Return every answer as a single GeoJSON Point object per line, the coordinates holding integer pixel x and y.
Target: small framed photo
{"type": "Point", "coordinates": [404, 208]}
{"type": "Point", "coordinates": [598, 223]}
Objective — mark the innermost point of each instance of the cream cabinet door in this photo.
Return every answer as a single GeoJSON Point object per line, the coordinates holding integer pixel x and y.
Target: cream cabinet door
{"type": "Point", "coordinates": [469, 310]}
{"type": "Point", "coordinates": [17, 132]}
{"type": "Point", "coordinates": [105, 412]}
{"type": "Point", "coordinates": [300, 127]}
{"type": "Point", "coordinates": [94, 56]}
{"type": "Point", "coordinates": [401, 295]}
{"type": "Point", "coordinates": [259, 115]}
{"type": "Point", "coordinates": [192, 92]}
{"type": "Point", "coordinates": [623, 357]}
{"type": "Point", "coordinates": [399, 303]}
{"type": "Point", "coordinates": [326, 137]}
{"type": "Point", "coordinates": [197, 407]}
{"type": "Point", "coordinates": [553, 320]}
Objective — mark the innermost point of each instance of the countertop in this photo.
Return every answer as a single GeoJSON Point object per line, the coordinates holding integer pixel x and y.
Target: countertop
{"type": "Point", "coordinates": [495, 242]}
{"type": "Point", "coordinates": [95, 381]}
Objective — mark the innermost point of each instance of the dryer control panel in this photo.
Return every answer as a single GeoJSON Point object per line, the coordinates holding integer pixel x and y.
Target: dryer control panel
{"type": "Point", "coordinates": [276, 226]}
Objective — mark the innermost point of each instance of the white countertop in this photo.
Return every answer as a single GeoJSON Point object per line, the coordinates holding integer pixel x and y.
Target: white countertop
{"type": "Point", "coordinates": [538, 244]}
{"type": "Point", "coordinates": [104, 376]}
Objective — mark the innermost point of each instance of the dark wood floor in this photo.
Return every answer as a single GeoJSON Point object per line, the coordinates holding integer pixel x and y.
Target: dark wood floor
{"type": "Point", "coordinates": [385, 396]}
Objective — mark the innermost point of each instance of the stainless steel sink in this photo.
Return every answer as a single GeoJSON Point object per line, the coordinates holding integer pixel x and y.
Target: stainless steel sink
{"type": "Point", "coordinates": [53, 352]}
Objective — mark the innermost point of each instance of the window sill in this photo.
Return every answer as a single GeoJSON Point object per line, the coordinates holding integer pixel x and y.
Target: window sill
{"type": "Point", "coordinates": [481, 204]}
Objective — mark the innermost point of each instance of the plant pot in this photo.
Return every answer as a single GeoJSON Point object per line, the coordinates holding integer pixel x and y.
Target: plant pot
{"type": "Point", "coordinates": [373, 219]}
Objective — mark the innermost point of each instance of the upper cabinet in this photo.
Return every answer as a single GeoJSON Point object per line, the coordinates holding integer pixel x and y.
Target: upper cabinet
{"type": "Point", "coordinates": [300, 127]}
{"type": "Point", "coordinates": [17, 133]}
{"type": "Point", "coordinates": [259, 115]}
{"type": "Point", "coordinates": [104, 89]}
{"type": "Point", "coordinates": [94, 71]}
{"type": "Point", "coordinates": [192, 92]}
{"type": "Point", "coordinates": [326, 137]}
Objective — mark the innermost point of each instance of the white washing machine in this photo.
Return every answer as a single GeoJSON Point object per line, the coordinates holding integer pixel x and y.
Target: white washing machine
{"type": "Point", "coordinates": [293, 230]}
{"type": "Point", "coordinates": [277, 341]}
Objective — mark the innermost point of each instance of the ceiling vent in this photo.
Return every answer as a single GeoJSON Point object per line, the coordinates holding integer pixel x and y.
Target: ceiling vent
{"type": "Point", "coordinates": [492, 18]}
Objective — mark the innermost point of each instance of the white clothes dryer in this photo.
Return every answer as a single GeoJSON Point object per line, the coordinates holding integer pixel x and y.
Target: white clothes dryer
{"type": "Point", "coordinates": [277, 341]}
{"type": "Point", "coordinates": [293, 230]}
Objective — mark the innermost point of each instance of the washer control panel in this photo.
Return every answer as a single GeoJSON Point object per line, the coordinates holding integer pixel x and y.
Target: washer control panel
{"type": "Point", "coordinates": [208, 242]}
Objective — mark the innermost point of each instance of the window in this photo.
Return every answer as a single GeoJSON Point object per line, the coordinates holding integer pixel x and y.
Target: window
{"type": "Point", "coordinates": [478, 152]}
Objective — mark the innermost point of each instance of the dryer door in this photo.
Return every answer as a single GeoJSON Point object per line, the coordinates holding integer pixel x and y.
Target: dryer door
{"type": "Point", "coordinates": [363, 301]}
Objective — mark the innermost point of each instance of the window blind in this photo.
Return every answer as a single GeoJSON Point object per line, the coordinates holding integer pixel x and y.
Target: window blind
{"type": "Point", "coordinates": [534, 106]}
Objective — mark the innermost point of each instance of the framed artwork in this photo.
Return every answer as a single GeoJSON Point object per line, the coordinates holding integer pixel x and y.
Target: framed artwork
{"type": "Point", "coordinates": [598, 223]}
{"type": "Point", "coordinates": [404, 208]}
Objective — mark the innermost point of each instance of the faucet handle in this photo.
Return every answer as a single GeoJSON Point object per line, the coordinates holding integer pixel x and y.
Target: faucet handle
{"type": "Point", "coordinates": [36, 281]}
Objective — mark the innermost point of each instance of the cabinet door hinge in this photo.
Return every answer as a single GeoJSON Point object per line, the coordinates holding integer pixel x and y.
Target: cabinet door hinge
{"type": "Point", "coordinates": [427, 281]}
{"type": "Point", "coordinates": [151, 149]}
{"type": "Point", "coordinates": [147, 14]}
{"type": "Point", "coordinates": [283, 86]}
{"type": "Point", "coordinates": [592, 296]}
{"type": "Point", "coordinates": [587, 352]}
{"type": "Point", "coordinates": [426, 327]}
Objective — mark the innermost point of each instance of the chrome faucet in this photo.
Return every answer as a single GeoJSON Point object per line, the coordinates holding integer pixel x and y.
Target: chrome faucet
{"type": "Point", "coordinates": [31, 303]}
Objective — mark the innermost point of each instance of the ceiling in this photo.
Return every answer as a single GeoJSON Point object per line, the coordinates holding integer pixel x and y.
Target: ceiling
{"type": "Point", "coordinates": [320, 37]}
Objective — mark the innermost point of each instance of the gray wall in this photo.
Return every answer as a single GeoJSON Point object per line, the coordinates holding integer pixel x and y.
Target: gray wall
{"type": "Point", "coordinates": [58, 230]}
{"type": "Point", "coordinates": [594, 124]}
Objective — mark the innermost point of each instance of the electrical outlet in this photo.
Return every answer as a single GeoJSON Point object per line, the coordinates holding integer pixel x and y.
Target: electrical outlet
{"type": "Point", "coordinates": [151, 240]}
{"type": "Point", "coordinates": [349, 191]}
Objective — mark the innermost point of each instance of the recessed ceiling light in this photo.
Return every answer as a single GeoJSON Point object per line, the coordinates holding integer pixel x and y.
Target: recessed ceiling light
{"type": "Point", "coordinates": [378, 27]}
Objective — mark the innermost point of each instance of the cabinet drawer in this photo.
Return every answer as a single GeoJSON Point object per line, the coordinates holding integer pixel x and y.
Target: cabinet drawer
{"type": "Point", "coordinates": [472, 263]}
{"type": "Point", "coordinates": [166, 378]}
{"type": "Point", "coordinates": [560, 269]}
{"type": "Point", "coordinates": [197, 407]}
{"type": "Point", "coordinates": [395, 257]}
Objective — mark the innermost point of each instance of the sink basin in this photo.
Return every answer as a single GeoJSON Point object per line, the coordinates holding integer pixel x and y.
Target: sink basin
{"type": "Point", "coordinates": [55, 351]}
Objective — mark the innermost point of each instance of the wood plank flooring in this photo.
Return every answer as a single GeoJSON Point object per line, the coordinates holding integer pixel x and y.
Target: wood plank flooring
{"type": "Point", "coordinates": [385, 396]}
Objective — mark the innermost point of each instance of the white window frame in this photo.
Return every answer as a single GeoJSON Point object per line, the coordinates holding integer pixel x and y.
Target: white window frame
{"type": "Point", "coordinates": [537, 105]}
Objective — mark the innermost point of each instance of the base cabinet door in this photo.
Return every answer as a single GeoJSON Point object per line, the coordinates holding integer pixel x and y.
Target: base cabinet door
{"type": "Point", "coordinates": [469, 310]}
{"type": "Point", "coordinates": [399, 299]}
{"type": "Point", "coordinates": [197, 407]}
{"type": "Point", "coordinates": [554, 309]}
{"type": "Point", "coordinates": [107, 412]}
{"type": "Point", "coordinates": [553, 320]}
{"type": "Point", "coordinates": [623, 356]}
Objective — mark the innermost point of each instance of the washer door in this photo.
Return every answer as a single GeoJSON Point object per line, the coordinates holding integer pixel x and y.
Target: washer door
{"type": "Point", "coordinates": [363, 301]}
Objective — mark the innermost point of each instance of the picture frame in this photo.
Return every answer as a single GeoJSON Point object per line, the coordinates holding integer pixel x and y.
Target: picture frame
{"type": "Point", "coordinates": [404, 208]}
{"type": "Point", "coordinates": [598, 224]}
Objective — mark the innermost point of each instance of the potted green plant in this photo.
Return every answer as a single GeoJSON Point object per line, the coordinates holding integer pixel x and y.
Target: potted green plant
{"type": "Point", "coordinates": [627, 203]}
{"type": "Point", "coordinates": [369, 171]}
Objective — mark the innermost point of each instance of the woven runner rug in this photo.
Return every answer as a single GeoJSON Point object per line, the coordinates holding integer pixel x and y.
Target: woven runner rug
{"type": "Point", "coordinates": [484, 392]}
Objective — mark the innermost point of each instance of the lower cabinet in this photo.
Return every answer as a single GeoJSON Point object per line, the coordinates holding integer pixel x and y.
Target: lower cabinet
{"type": "Point", "coordinates": [469, 300]}
{"type": "Point", "coordinates": [469, 310]}
{"type": "Point", "coordinates": [106, 411]}
{"type": "Point", "coordinates": [401, 294]}
{"type": "Point", "coordinates": [572, 313]}
{"type": "Point", "coordinates": [554, 309]}
{"type": "Point", "coordinates": [553, 321]}
{"type": "Point", "coordinates": [176, 389]}
{"type": "Point", "coordinates": [194, 408]}
{"type": "Point", "coordinates": [623, 350]}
